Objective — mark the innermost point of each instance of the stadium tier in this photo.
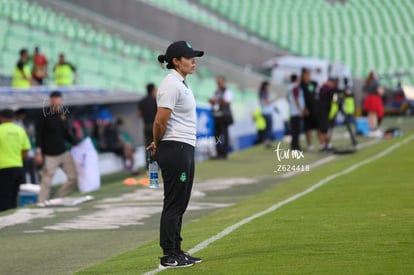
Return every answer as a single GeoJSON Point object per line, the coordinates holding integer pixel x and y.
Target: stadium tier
{"type": "Point", "coordinates": [194, 13]}
{"type": "Point", "coordinates": [102, 59]}
{"type": "Point", "coordinates": [364, 34]}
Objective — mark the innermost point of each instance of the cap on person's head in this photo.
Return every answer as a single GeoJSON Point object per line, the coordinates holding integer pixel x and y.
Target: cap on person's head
{"type": "Point", "coordinates": [179, 49]}
{"type": "Point", "coordinates": [305, 70]}
{"type": "Point", "coordinates": [7, 114]}
{"type": "Point", "coordinates": [55, 94]}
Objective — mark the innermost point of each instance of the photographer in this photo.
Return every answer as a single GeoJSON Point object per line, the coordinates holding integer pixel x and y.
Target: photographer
{"type": "Point", "coordinates": [343, 102]}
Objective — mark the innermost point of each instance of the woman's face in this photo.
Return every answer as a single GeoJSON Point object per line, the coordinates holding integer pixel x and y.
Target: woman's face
{"type": "Point", "coordinates": [380, 90]}
{"type": "Point", "coordinates": [185, 65]}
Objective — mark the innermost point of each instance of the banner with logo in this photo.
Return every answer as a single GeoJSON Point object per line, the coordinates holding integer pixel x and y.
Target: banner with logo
{"type": "Point", "coordinates": [87, 165]}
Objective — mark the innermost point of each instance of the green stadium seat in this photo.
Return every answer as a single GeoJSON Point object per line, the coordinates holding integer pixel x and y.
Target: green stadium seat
{"type": "Point", "coordinates": [40, 37]}
{"type": "Point", "coordinates": [192, 12]}
{"type": "Point", "coordinates": [9, 61]}
{"type": "Point", "coordinates": [103, 60]}
{"type": "Point", "coordinates": [303, 26]}
{"type": "Point", "coordinates": [62, 46]}
{"type": "Point", "coordinates": [4, 30]}
{"type": "Point", "coordinates": [15, 43]}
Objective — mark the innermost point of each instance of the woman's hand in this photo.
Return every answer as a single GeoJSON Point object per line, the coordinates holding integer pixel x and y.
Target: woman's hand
{"type": "Point", "coordinates": [153, 148]}
{"type": "Point", "coordinates": [38, 159]}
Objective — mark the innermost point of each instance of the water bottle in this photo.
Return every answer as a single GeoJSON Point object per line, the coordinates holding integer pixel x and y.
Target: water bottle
{"type": "Point", "coordinates": [153, 173]}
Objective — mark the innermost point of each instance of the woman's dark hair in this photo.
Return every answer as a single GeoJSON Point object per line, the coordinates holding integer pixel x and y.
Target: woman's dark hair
{"type": "Point", "coordinates": [371, 78]}
{"type": "Point", "coordinates": [263, 85]}
{"type": "Point", "coordinates": [262, 92]}
{"type": "Point", "coordinates": [162, 58]}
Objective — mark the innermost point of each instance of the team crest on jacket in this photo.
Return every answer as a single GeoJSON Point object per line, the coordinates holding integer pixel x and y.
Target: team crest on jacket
{"type": "Point", "coordinates": [183, 177]}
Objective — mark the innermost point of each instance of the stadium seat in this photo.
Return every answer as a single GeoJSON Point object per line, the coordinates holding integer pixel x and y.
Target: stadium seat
{"type": "Point", "coordinates": [9, 61]}
{"type": "Point", "coordinates": [192, 12]}
{"type": "Point", "coordinates": [357, 33]}
{"type": "Point", "coordinates": [103, 60]}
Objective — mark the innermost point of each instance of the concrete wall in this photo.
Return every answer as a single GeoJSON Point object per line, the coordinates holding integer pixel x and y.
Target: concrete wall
{"type": "Point", "coordinates": [163, 24]}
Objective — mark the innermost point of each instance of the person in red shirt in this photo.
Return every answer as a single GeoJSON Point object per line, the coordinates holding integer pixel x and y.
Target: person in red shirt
{"type": "Point", "coordinates": [39, 66]}
{"type": "Point", "coordinates": [374, 107]}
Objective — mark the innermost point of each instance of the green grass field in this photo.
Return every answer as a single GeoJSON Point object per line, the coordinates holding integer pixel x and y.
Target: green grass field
{"type": "Point", "coordinates": [361, 222]}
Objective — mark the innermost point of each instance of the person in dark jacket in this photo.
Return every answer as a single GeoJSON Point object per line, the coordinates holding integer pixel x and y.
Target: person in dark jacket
{"type": "Point", "coordinates": [323, 107]}
{"type": "Point", "coordinates": [147, 108]}
{"type": "Point", "coordinates": [52, 131]}
{"type": "Point", "coordinates": [309, 88]}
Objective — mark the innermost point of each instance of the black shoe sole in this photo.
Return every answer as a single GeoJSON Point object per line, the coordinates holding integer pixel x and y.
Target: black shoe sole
{"type": "Point", "coordinates": [162, 267]}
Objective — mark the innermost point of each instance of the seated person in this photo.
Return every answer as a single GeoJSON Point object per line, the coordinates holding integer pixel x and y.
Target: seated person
{"type": "Point", "coordinates": [111, 141]}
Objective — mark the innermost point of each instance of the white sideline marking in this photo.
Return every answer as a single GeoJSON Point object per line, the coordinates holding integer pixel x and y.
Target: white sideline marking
{"type": "Point", "coordinates": [272, 208]}
{"type": "Point", "coordinates": [327, 159]}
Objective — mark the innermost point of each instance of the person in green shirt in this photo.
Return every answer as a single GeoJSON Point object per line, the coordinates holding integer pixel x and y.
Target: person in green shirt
{"type": "Point", "coordinates": [260, 125]}
{"type": "Point", "coordinates": [22, 75]}
{"type": "Point", "coordinates": [14, 145]}
{"type": "Point", "coordinates": [65, 72]}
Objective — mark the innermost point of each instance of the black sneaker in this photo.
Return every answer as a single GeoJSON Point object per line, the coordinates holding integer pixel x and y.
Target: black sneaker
{"type": "Point", "coordinates": [174, 261]}
{"type": "Point", "coordinates": [195, 260]}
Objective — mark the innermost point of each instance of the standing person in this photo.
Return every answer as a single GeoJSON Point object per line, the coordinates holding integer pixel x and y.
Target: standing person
{"type": "Point", "coordinates": [373, 106]}
{"type": "Point", "coordinates": [260, 122]}
{"type": "Point", "coordinates": [343, 102]}
{"type": "Point", "coordinates": [223, 117]}
{"type": "Point", "coordinates": [370, 84]}
{"type": "Point", "coordinates": [21, 75]}
{"type": "Point", "coordinates": [14, 145]}
{"type": "Point", "coordinates": [147, 108]}
{"type": "Point", "coordinates": [52, 130]}
{"type": "Point", "coordinates": [267, 106]}
{"type": "Point", "coordinates": [309, 89]}
{"type": "Point", "coordinates": [323, 107]}
{"type": "Point", "coordinates": [29, 166]}
{"type": "Point", "coordinates": [39, 66]}
{"type": "Point", "coordinates": [174, 142]}
{"type": "Point", "coordinates": [65, 72]}
{"type": "Point", "coordinates": [370, 88]}
{"type": "Point", "coordinates": [297, 111]}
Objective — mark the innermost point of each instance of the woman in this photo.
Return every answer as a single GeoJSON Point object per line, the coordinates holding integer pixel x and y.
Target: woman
{"type": "Point", "coordinates": [370, 88]}
{"type": "Point", "coordinates": [374, 108]}
{"type": "Point", "coordinates": [267, 106]}
{"type": "Point", "coordinates": [174, 134]}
